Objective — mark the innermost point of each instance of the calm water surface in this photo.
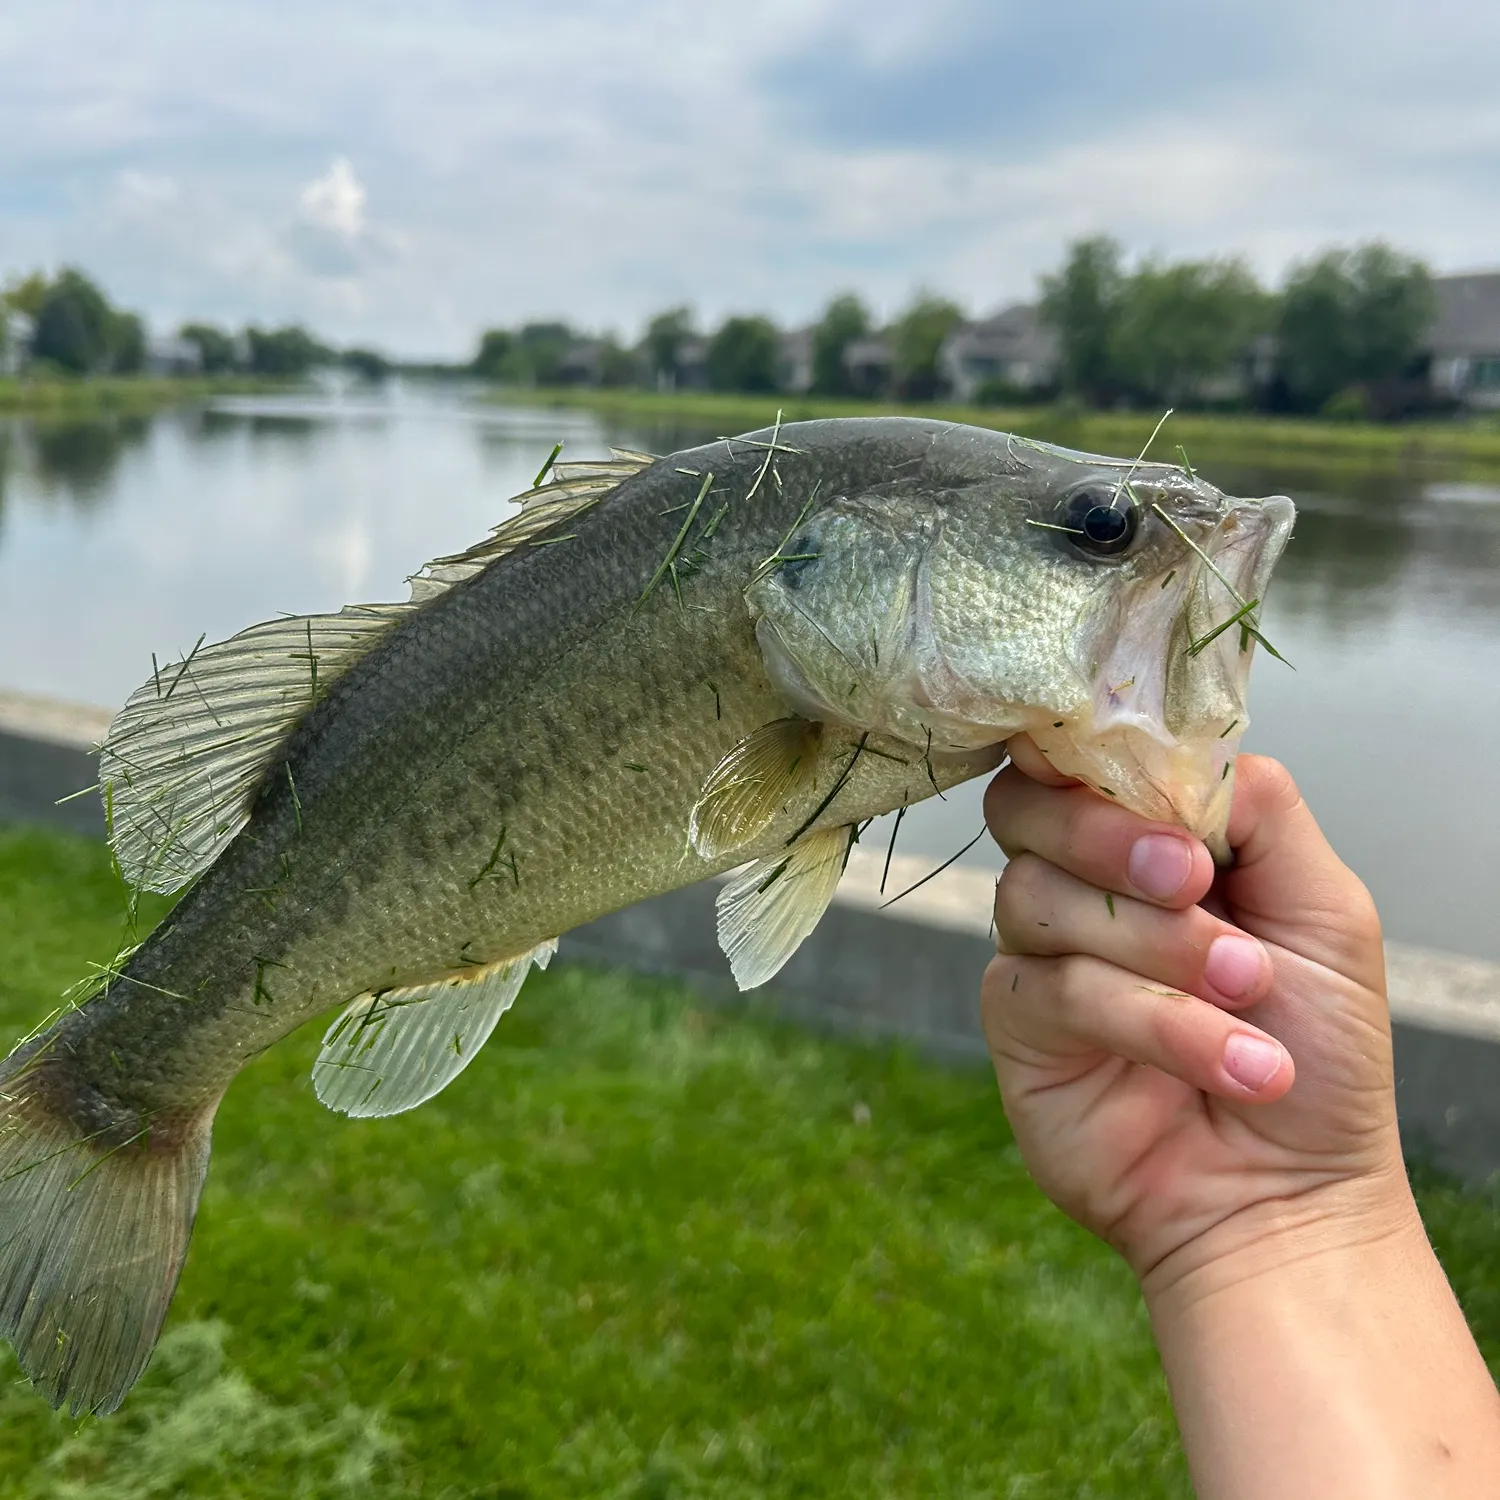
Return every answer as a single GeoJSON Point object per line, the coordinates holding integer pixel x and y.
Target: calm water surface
{"type": "Point", "coordinates": [122, 538]}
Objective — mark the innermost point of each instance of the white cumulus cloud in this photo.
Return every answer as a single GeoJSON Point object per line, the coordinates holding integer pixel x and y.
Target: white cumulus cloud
{"type": "Point", "coordinates": [335, 202]}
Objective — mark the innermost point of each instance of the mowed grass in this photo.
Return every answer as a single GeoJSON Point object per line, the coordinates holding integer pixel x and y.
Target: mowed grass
{"type": "Point", "coordinates": [1460, 447]}
{"type": "Point", "coordinates": [641, 1248]}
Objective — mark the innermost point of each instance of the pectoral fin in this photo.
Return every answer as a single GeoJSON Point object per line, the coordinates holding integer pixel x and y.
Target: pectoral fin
{"type": "Point", "coordinates": [772, 905]}
{"type": "Point", "coordinates": [393, 1051]}
{"type": "Point", "coordinates": [753, 783]}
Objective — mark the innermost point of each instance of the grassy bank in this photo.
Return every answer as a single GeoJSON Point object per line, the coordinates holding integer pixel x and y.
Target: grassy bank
{"type": "Point", "coordinates": [1472, 446]}
{"type": "Point", "coordinates": [639, 1249]}
{"type": "Point", "coordinates": [130, 395]}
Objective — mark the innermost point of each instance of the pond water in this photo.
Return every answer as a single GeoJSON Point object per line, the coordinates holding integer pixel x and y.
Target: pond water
{"type": "Point", "coordinates": [126, 537]}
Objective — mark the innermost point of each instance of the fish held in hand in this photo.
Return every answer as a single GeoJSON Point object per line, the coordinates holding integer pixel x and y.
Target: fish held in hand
{"type": "Point", "coordinates": [658, 670]}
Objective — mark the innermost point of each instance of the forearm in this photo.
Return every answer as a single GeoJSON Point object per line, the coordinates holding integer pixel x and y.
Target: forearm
{"type": "Point", "coordinates": [1324, 1363]}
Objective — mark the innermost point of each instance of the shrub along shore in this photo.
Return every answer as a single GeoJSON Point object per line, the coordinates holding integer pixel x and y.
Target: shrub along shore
{"type": "Point", "coordinates": [1469, 447]}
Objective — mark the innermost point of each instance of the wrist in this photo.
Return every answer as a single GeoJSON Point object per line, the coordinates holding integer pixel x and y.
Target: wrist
{"type": "Point", "coordinates": [1327, 1230]}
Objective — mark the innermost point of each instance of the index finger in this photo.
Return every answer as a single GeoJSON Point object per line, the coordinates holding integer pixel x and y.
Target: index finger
{"type": "Point", "coordinates": [1078, 831]}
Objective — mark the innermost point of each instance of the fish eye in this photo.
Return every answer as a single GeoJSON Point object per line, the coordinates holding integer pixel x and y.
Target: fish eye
{"type": "Point", "coordinates": [1099, 521]}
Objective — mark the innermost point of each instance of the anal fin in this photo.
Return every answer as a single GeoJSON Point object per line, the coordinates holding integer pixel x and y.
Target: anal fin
{"type": "Point", "coordinates": [767, 910]}
{"type": "Point", "coordinates": [393, 1051]}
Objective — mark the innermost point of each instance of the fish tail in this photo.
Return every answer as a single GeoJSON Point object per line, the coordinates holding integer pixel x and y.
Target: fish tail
{"type": "Point", "coordinates": [96, 1206]}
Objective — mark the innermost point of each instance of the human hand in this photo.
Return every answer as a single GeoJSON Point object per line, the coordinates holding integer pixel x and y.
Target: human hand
{"type": "Point", "coordinates": [1145, 1010]}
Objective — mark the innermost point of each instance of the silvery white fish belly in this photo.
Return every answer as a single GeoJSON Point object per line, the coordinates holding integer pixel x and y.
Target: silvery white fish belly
{"type": "Point", "coordinates": [657, 670]}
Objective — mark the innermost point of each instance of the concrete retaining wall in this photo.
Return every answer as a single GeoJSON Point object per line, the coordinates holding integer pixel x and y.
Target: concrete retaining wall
{"type": "Point", "coordinates": [911, 972]}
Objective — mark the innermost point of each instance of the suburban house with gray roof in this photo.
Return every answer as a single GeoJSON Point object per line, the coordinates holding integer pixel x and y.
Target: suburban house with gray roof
{"type": "Point", "coordinates": [1464, 344]}
{"type": "Point", "coordinates": [1013, 348]}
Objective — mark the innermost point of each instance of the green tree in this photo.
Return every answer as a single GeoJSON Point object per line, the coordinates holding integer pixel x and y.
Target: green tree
{"type": "Point", "coordinates": [665, 335]}
{"type": "Point", "coordinates": [73, 324]}
{"type": "Point", "coordinates": [367, 364]}
{"type": "Point", "coordinates": [617, 365]}
{"type": "Point", "coordinates": [287, 352]}
{"type": "Point", "coordinates": [916, 338]}
{"type": "Point", "coordinates": [26, 295]}
{"type": "Point", "coordinates": [1352, 317]}
{"type": "Point", "coordinates": [1082, 304]}
{"type": "Point", "coordinates": [743, 355]}
{"type": "Point", "coordinates": [844, 319]}
{"type": "Point", "coordinates": [216, 352]}
{"type": "Point", "coordinates": [541, 349]}
{"type": "Point", "coordinates": [1180, 326]}
{"type": "Point", "coordinates": [125, 340]}
{"type": "Point", "coordinates": [495, 357]}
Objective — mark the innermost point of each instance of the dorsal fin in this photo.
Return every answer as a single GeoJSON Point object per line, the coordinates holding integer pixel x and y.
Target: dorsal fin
{"type": "Point", "coordinates": [393, 1051]}
{"type": "Point", "coordinates": [184, 757]}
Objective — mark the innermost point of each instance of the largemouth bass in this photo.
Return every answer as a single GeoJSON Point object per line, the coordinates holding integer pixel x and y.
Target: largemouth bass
{"type": "Point", "coordinates": [659, 670]}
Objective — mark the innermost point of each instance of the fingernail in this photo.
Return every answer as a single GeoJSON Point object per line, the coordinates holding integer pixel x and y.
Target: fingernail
{"type": "Point", "coordinates": [1234, 965]}
{"type": "Point", "coordinates": [1160, 865]}
{"type": "Point", "coordinates": [1252, 1061]}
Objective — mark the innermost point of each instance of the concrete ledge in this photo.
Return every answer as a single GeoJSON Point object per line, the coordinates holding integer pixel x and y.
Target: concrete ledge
{"type": "Point", "coordinates": [911, 971]}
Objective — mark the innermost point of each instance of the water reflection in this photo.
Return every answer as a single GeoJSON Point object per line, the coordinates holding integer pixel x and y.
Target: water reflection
{"type": "Point", "coordinates": [123, 537]}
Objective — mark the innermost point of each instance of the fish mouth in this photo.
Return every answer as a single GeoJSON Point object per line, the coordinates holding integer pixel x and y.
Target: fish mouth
{"type": "Point", "coordinates": [1163, 726]}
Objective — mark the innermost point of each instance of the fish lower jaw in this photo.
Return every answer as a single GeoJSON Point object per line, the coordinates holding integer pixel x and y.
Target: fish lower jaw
{"type": "Point", "coordinates": [1187, 783]}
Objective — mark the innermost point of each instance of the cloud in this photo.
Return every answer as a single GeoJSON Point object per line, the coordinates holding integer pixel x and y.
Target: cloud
{"type": "Point", "coordinates": [335, 202]}
{"type": "Point", "coordinates": [405, 183]}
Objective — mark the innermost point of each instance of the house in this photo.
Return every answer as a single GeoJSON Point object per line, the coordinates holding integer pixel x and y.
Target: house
{"type": "Point", "coordinates": [168, 354]}
{"type": "Point", "coordinates": [16, 330]}
{"type": "Point", "coordinates": [869, 363]}
{"type": "Point", "coordinates": [795, 362]}
{"type": "Point", "coordinates": [1463, 345]}
{"type": "Point", "coordinates": [1014, 348]}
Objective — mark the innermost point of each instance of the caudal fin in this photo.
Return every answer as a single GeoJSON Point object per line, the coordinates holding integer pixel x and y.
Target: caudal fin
{"type": "Point", "coordinates": [94, 1225]}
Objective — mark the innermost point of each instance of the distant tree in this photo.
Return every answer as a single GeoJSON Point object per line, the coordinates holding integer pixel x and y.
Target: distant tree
{"type": "Point", "coordinates": [1351, 318]}
{"type": "Point", "coordinates": [666, 333]}
{"type": "Point", "coordinates": [216, 351]}
{"type": "Point", "coordinates": [1082, 305]}
{"type": "Point", "coordinates": [366, 364]}
{"type": "Point", "coordinates": [743, 355]}
{"type": "Point", "coordinates": [1179, 326]}
{"type": "Point", "coordinates": [287, 352]}
{"type": "Point", "coordinates": [125, 339]}
{"type": "Point", "coordinates": [617, 365]}
{"type": "Point", "coordinates": [494, 359]}
{"type": "Point", "coordinates": [73, 324]}
{"type": "Point", "coordinates": [541, 349]}
{"type": "Point", "coordinates": [26, 295]}
{"type": "Point", "coordinates": [916, 337]}
{"type": "Point", "coordinates": [844, 319]}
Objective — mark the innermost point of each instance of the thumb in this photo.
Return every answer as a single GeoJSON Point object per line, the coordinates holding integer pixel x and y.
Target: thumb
{"type": "Point", "coordinates": [1287, 885]}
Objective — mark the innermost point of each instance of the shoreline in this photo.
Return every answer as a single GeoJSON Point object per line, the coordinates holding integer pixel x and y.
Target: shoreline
{"type": "Point", "coordinates": [122, 395]}
{"type": "Point", "coordinates": [1457, 448]}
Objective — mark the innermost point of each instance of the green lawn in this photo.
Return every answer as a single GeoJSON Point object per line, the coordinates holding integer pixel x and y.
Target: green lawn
{"type": "Point", "coordinates": [641, 1248]}
{"type": "Point", "coordinates": [1465, 447]}
{"type": "Point", "coordinates": [131, 395]}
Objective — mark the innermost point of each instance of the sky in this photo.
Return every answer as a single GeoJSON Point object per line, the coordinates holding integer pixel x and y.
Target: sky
{"type": "Point", "coordinates": [403, 175]}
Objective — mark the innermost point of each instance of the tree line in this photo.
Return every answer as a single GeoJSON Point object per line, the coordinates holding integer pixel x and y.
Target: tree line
{"type": "Point", "coordinates": [1341, 335]}
{"type": "Point", "coordinates": [76, 330]}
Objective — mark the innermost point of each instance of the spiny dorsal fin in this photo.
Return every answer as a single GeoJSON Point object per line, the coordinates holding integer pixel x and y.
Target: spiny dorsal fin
{"type": "Point", "coordinates": [184, 755]}
{"type": "Point", "coordinates": [183, 758]}
{"type": "Point", "coordinates": [393, 1051]}
{"type": "Point", "coordinates": [773, 904]}
{"type": "Point", "coordinates": [753, 783]}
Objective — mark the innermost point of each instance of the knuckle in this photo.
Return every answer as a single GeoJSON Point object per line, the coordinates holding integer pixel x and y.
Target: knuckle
{"type": "Point", "coordinates": [1075, 983]}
